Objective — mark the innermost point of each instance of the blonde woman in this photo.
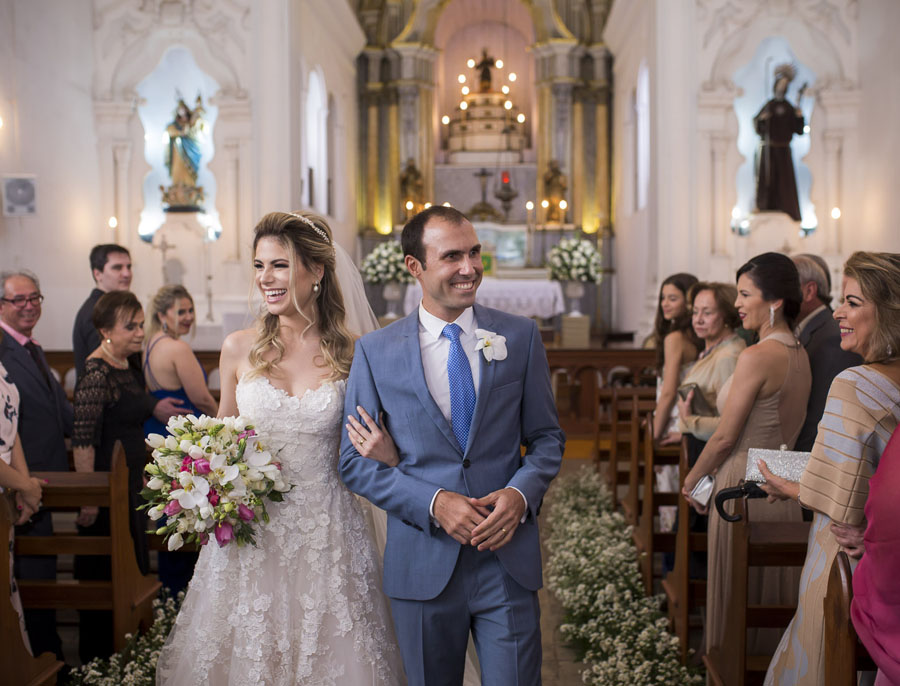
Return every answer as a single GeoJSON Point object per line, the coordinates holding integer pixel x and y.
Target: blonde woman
{"type": "Point", "coordinates": [171, 369]}
{"type": "Point", "coordinates": [305, 605]}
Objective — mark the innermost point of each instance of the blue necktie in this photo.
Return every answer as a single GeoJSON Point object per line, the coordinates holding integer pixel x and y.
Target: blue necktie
{"type": "Point", "coordinates": [462, 390]}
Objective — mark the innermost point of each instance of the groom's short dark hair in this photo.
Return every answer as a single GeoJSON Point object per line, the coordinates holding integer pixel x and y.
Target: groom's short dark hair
{"type": "Point", "coordinates": [411, 238]}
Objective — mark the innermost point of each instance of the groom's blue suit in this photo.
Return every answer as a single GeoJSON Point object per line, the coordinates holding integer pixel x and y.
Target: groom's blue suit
{"type": "Point", "coordinates": [514, 408]}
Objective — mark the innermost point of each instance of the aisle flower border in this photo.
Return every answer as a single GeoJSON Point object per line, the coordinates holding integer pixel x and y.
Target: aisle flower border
{"type": "Point", "coordinates": [135, 664]}
{"type": "Point", "coordinates": [592, 570]}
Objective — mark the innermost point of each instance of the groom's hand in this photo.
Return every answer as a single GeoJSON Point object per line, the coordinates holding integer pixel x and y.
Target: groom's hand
{"type": "Point", "coordinates": [497, 530]}
{"type": "Point", "coordinates": [457, 515]}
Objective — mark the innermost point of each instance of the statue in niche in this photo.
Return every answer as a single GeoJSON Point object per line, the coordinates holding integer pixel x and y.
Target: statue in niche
{"type": "Point", "coordinates": [485, 68]}
{"type": "Point", "coordinates": [555, 186]}
{"type": "Point", "coordinates": [412, 185]}
{"type": "Point", "coordinates": [183, 159]}
{"type": "Point", "coordinates": [776, 123]}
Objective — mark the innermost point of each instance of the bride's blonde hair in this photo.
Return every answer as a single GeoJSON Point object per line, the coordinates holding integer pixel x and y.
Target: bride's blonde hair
{"type": "Point", "coordinates": [307, 238]}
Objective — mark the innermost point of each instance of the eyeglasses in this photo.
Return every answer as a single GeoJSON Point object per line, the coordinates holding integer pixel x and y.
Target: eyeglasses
{"type": "Point", "coordinates": [19, 301]}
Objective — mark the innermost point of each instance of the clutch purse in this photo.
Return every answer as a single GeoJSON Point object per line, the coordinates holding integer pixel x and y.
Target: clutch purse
{"type": "Point", "coordinates": [702, 492]}
{"type": "Point", "coordinates": [788, 464]}
{"type": "Point", "coordinates": [699, 406]}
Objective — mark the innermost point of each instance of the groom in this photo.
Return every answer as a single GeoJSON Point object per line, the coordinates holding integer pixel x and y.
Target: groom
{"type": "Point", "coordinates": [462, 545]}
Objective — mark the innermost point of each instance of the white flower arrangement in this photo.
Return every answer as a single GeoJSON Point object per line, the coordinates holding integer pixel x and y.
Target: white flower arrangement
{"type": "Point", "coordinates": [592, 570]}
{"type": "Point", "coordinates": [385, 265]}
{"type": "Point", "coordinates": [574, 259]}
{"type": "Point", "coordinates": [210, 476]}
{"type": "Point", "coordinates": [135, 664]}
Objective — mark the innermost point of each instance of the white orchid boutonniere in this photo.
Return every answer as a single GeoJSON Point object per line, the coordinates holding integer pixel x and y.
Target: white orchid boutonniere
{"type": "Point", "coordinates": [492, 345]}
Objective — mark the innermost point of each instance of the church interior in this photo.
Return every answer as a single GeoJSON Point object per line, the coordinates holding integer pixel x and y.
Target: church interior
{"type": "Point", "coordinates": [597, 147]}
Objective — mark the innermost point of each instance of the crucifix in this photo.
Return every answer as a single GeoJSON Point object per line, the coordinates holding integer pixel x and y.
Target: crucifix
{"type": "Point", "coordinates": [163, 246]}
{"type": "Point", "coordinates": [484, 175]}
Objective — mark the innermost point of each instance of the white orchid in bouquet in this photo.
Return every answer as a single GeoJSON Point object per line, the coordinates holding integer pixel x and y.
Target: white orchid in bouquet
{"type": "Point", "coordinates": [385, 265]}
{"type": "Point", "coordinates": [208, 476]}
{"type": "Point", "coordinates": [574, 259]}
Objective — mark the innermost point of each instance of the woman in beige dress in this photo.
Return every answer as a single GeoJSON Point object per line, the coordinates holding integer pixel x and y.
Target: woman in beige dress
{"type": "Point", "coordinates": [862, 410]}
{"type": "Point", "coordinates": [762, 406]}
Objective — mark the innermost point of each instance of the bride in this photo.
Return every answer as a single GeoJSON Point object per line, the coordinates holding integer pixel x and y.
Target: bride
{"type": "Point", "coordinates": [305, 605]}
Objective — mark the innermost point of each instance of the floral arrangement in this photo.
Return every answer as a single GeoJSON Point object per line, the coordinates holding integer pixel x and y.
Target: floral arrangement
{"type": "Point", "coordinates": [593, 571]}
{"type": "Point", "coordinates": [385, 265]}
{"type": "Point", "coordinates": [574, 259]}
{"type": "Point", "coordinates": [135, 665]}
{"type": "Point", "coordinates": [210, 475]}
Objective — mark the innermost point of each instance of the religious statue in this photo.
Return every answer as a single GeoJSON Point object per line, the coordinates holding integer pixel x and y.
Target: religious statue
{"type": "Point", "coordinates": [183, 159]}
{"type": "Point", "coordinates": [555, 186]}
{"type": "Point", "coordinates": [776, 123]}
{"type": "Point", "coordinates": [412, 185]}
{"type": "Point", "coordinates": [485, 67]}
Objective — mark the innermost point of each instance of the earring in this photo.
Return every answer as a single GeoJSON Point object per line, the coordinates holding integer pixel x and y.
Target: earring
{"type": "Point", "coordinates": [109, 341]}
{"type": "Point", "coordinates": [165, 327]}
{"type": "Point", "coordinates": [890, 351]}
{"type": "Point", "coordinates": [771, 315]}
{"type": "Point", "coordinates": [316, 287]}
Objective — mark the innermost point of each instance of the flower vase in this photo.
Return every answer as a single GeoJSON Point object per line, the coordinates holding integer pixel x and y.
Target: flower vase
{"type": "Point", "coordinates": [393, 293]}
{"type": "Point", "coordinates": [574, 291]}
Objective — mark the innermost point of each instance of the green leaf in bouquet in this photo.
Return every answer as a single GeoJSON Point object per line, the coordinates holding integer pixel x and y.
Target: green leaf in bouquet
{"type": "Point", "coordinates": [276, 497]}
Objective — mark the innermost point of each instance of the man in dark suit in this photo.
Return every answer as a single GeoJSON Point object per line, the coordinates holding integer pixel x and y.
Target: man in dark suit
{"type": "Point", "coordinates": [821, 336]}
{"type": "Point", "coordinates": [111, 269]}
{"type": "Point", "coordinates": [45, 419]}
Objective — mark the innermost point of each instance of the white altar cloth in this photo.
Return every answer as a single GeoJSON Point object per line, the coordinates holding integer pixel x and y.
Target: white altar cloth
{"type": "Point", "coordinates": [527, 297]}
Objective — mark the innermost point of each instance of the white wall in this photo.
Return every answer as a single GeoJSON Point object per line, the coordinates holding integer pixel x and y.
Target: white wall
{"type": "Point", "coordinates": [67, 69]}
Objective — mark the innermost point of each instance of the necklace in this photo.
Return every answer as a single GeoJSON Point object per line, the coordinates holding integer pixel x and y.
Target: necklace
{"type": "Point", "coordinates": [116, 362]}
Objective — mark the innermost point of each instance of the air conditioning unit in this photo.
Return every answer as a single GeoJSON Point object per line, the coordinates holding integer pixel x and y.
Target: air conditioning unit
{"type": "Point", "coordinates": [19, 195]}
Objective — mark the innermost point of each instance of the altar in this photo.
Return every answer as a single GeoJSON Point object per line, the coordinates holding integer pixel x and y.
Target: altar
{"type": "Point", "coordinates": [526, 297]}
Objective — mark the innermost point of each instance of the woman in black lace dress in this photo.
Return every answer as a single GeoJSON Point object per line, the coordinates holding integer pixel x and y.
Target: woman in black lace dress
{"type": "Point", "coordinates": [111, 404]}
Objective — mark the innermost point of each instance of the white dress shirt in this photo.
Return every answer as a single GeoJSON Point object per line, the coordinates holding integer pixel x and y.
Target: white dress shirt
{"type": "Point", "coordinates": [435, 351]}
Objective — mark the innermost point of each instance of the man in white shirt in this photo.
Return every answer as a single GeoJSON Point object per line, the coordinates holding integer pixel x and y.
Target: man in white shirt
{"type": "Point", "coordinates": [463, 551]}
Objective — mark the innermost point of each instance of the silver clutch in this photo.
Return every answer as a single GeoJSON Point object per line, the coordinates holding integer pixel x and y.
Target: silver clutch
{"type": "Point", "coordinates": [703, 490]}
{"type": "Point", "coordinates": [788, 464]}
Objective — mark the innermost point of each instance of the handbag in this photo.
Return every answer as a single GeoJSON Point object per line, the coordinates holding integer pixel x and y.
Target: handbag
{"type": "Point", "coordinates": [788, 464]}
{"type": "Point", "coordinates": [703, 490]}
{"type": "Point", "coordinates": [699, 406]}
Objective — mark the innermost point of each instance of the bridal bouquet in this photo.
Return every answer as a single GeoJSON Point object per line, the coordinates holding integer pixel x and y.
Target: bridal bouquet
{"type": "Point", "coordinates": [574, 260]}
{"type": "Point", "coordinates": [210, 476]}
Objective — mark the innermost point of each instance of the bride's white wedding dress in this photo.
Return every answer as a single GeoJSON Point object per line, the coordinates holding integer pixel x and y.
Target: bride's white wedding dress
{"type": "Point", "coordinates": [304, 606]}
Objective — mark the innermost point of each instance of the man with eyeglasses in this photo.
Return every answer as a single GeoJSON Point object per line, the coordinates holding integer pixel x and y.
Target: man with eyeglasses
{"type": "Point", "coordinates": [111, 269]}
{"type": "Point", "coordinates": [45, 419]}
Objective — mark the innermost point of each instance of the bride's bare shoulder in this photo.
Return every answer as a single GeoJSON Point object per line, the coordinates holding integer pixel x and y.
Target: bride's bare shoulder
{"type": "Point", "coordinates": [237, 344]}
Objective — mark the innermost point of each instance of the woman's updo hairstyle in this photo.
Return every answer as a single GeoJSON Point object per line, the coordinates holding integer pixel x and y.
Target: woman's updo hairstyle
{"type": "Point", "coordinates": [308, 241]}
{"type": "Point", "coordinates": [776, 276]}
{"type": "Point", "coordinates": [114, 307]}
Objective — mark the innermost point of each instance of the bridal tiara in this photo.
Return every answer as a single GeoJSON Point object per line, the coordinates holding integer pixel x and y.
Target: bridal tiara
{"type": "Point", "coordinates": [311, 224]}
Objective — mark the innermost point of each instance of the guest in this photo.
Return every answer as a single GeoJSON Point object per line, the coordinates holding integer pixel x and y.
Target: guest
{"type": "Point", "coordinates": [715, 319]}
{"type": "Point", "coordinates": [45, 419]}
{"type": "Point", "coordinates": [111, 269]}
{"type": "Point", "coordinates": [676, 349]}
{"type": "Point", "coordinates": [761, 406]}
{"type": "Point", "coordinates": [14, 475]}
{"type": "Point", "coordinates": [876, 596]}
{"type": "Point", "coordinates": [111, 405]}
{"type": "Point", "coordinates": [862, 410]}
{"type": "Point", "coordinates": [172, 371]}
{"type": "Point", "coordinates": [819, 333]}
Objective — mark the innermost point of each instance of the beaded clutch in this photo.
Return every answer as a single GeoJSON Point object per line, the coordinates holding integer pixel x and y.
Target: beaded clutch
{"type": "Point", "coordinates": [788, 464]}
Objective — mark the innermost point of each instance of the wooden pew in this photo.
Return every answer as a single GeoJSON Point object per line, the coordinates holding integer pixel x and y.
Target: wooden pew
{"type": "Point", "coordinates": [684, 595]}
{"type": "Point", "coordinates": [845, 655]}
{"type": "Point", "coordinates": [754, 544]}
{"type": "Point", "coordinates": [629, 406]}
{"type": "Point", "coordinates": [19, 667]}
{"type": "Point", "coordinates": [129, 594]}
{"type": "Point", "coordinates": [647, 539]}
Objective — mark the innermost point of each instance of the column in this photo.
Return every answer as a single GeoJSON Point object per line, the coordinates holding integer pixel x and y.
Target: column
{"type": "Point", "coordinates": [834, 146]}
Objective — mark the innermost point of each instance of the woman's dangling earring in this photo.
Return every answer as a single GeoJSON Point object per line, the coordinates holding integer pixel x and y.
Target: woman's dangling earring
{"type": "Point", "coordinates": [771, 315]}
{"type": "Point", "coordinates": [165, 327]}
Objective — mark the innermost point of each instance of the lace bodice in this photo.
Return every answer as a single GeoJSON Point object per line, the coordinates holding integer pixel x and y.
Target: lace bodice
{"type": "Point", "coordinates": [304, 606]}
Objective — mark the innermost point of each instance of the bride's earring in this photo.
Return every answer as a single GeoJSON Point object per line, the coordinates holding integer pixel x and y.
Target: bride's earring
{"type": "Point", "coordinates": [771, 315]}
{"type": "Point", "coordinates": [316, 287]}
{"type": "Point", "coordinates": [109, 341]}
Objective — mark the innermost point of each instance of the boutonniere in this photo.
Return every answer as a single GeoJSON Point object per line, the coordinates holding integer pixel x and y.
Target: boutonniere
{"type": "Point", "coordinates": [492, 345]}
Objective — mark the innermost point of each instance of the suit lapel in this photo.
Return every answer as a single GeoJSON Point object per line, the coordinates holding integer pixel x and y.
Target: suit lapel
{"type": "Point", "coordinates": [484, 321]}
{"type": "Point", "coordinates": [412, 360]}
{"type": "Point", "coordinates": [21, 357]}
{"type": "Point", "coordinates": [814, 325]}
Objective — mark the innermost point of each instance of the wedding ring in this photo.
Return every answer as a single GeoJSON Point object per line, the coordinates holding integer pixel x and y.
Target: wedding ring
{"type": "Point", "coordinates": [361, 441]}
{"type": "Point", "coordinates": [502, 529]}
